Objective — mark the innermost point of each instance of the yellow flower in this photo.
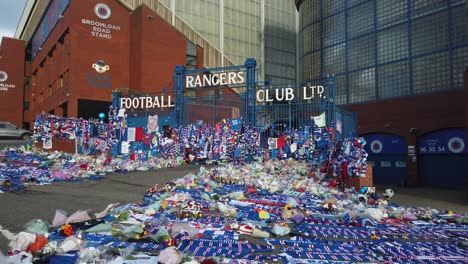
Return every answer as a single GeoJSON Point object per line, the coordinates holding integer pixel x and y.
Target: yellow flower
{"type": "Point", "coordinates": [287, 207]}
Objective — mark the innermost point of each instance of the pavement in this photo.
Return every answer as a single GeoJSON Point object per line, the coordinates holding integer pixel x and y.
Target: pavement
{"type": "Point", "coordinates": [441, 199]}
{"type": "Point", "coordinates": [11, 143]}
{"type": "Point", "coordinates": [40, 202]}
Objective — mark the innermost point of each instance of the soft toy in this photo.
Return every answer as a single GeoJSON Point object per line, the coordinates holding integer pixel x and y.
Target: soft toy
{"type": "Point", "coordinates": [362, 198]}
{"type": "Point", "coordinates": [329, 205]}
{"type": "Point", "coordinates": [388, 194]}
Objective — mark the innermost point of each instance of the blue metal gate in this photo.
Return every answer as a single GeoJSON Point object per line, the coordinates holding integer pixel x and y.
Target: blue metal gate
{"type": "Point", "coordinates": [211, 95]}
{"type": "Point", "coordinates": [345, 123]}
{"type": "Point", "coordinates": [274, 108]}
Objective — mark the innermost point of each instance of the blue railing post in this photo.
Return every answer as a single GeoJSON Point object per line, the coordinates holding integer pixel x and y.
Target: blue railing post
{"type": "Point", "coordinates": [250, 90]}
{"type": "Point", "coordinates": [179, 86]}
{"type": "Point", "coordinates": [331, 101]}
{"type": "Point", "coordinates": [116, 100]}
{"type": "Point", "coordinates": [115, 147]}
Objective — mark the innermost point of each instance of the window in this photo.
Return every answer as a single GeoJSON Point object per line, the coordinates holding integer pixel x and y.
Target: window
{"type": "Point", "coordinates": [393, 80]}
{"type": "Point", "coordinates": [61, 81]}
{"type": "Point", "coordinates": [431, 73]}
{"type": "Point", "coordinates": [334, 59]}
{"type": "Point", "coordinates": [362, 86]}
{"type": "Point", "coordinates": [355, 2]}
{"type": "Point", "coordinates": [7, 125]}
{"type": "Point", "coordinates": [400, 164]}
{"type": "Point", "coordinates": [310, 12]}
{"type": "Point", "coordinates": [340, 89]}
{"type": "Point", "coordinates": [460, 62]}
{"type": "Point", "coordinates": [311, 66]}
{"type": "Point", "coordinates": [361, 52]}
{"type": "Point", "coordinates": [26, 105]}
{"type": "Point", "coordinates": [361, 20]}
{"type": "Point", "coordinates": [50, 90]}
{"type": "Point", "coordinates": [421, 7]}
{"type": "Point", "coordinates": [430, 33]}
{"type": "Point", "coordinates": [390, 12]}
{"type": "Point", "coordinates": [310, 38]}
{"type": "Point", "coordinates": [332, 6]}
{"type": "Point", "coordinates": [333, 30]}
{"type": "Point", "coordinates": [191, 56]}
{"type": "Point", "coordinates": [392, 44]}
{"type": "Point", "coordinates": [385, 164]}
{"type": "Point", "coordinates": [459, 26]}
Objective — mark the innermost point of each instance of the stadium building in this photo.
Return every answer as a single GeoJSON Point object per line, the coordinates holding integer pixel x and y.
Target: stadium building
{"type": "Point", "coordinates": [71, 54]}
{"type": "Point", "coordinates": [400, 65]}
{"type": "Point", "coordinates": [76, 52]}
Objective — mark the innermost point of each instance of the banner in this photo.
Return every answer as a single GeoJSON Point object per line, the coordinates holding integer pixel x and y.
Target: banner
{"type": "Point", "coordinates": [235, 124]}
{"type": "Point", "coordinates": [277, 143]}
{"type": "Point", "coordinates": [131, 131]}
{"type": "Point", "coordinates": [339, 126]}
{"type": "Point", "coordinates": [320, 121]}
{"type": "Point", "coordinates": [47, 144]}
{"type": "Point", "coordinates": [272, 143]}
{"type": "Point", "coordinates": [153, 125]}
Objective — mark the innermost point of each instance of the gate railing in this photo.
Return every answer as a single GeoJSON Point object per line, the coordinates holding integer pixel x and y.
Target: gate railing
{"type": "Point", "coordinates": [211, 95]}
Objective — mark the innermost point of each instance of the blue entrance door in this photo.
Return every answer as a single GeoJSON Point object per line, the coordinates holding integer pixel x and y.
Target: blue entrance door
{"type": "Point", "coordinates": [443, 158]}
{"type": "Point", "coordinates": [387, 154]}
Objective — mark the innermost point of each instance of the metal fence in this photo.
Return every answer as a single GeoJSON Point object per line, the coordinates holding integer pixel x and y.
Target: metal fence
{"type": "Point", "coordinates": [285, 107]}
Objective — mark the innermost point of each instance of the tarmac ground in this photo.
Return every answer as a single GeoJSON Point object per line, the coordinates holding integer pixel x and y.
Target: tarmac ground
{"type": "Point", "coordinates": [40, 202]}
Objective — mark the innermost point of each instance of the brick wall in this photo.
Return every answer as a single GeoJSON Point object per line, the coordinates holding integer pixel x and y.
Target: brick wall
{"type": "Point", "coordinates": [12, 66]}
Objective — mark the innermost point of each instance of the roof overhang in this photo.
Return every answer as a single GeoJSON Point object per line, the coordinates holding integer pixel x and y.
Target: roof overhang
{"type": "Point", "coordinates": [25, 16]}
{"type": "Point", "coordinates": [298, 4]}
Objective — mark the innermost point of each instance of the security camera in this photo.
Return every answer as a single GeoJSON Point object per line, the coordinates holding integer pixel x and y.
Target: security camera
{"type": "Point", "coordinates": [413, 130]}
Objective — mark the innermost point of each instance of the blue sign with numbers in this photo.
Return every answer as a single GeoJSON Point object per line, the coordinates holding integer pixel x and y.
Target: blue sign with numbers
{"type": "Point", "coordinates": [446, 141]}
{"type": "Point", "coordinates": [384, 143]}
{"type": "Point", "coordinates": [235, 124]}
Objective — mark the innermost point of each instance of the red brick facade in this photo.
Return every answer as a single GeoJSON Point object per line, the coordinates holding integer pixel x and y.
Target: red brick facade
{"type": "Point", "coordinates": [137, 50]}
{"type": "Point", "coordinates": [12, 81]}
